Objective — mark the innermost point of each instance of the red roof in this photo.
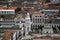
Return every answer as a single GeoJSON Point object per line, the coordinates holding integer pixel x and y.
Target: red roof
{"type": "Point", "coordinates": [11, 8]}
{"type": "Point", "coordinates": [7, 35]}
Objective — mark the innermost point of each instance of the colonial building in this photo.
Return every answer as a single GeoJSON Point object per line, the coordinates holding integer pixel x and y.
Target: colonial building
{"type": "Point", "coordinates": [7, 18]}
{"type": "Point", "coordinates": [46, 17]}
{"type": "Point", "coordinates": [37, 20]}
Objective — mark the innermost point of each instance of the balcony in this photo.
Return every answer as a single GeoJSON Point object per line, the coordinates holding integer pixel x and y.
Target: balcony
{"type": "Point", "coordinates": [1, 19]}
{"type": "Point", "coordinates": [4, 22]}
{"type": "Point", "coordinates": [7, 12]}
{"type": "Point", "coordinates": [50, 24]}
{"type": "Point", "coordinates": [6, 26]}
{"type": "Point", "coordinates": [50, 11]}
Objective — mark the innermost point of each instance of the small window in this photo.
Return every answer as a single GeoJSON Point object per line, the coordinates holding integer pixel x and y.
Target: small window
{"type": "Point", "coordinates": [5, 11]}
{"type": "Point", "coordinates": [2, 16]}
{"type": "Point", "coordinates": [47, 1]}
{"type": "Point", "coordinates": [2, 12]}
{"type": "Point", "coordinates": [35, 16]}
{"type": "Point", "coordinates": [47, 32]}
{"type": "Point", "coordinates": [45, 16]}
{"type": "Point", "coordinates": [40, 16]}
{"type": "Point", "coordinates": [22, 21]}
{"type": "Point", "coordinates": [17, 22]}
{"type": "Point", "coordinates": [28, 28]}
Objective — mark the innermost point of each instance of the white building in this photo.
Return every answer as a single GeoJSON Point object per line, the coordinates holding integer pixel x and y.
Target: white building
{"type": "Point", "coordinates": [26, 22]}
{"type": "Point", "coordinates": [7, 18]}
{"type": "Point", "coordinates": [37, 19]}
{"type": "Point", "coordinates": [7, 12]}
{"type": "Point", "coordinates": [46, 17]}
{"type": "Point", "coordinates": [41, 18]}
{"type": "Point", "coordinates": [47, 30]}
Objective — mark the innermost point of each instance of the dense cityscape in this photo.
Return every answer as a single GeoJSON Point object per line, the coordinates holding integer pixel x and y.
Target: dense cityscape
{"type": "Point", "coordinates": [29, 19]}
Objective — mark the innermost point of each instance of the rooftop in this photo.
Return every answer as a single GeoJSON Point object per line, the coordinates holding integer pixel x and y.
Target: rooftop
{"type": "Point", "coordinates": [7, 35]}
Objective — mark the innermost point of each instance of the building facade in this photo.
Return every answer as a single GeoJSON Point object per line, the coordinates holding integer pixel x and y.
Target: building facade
{"type": "Point", "coordinates": [47, 17]}
{"type": "Point", "coordinates": [25, 24]}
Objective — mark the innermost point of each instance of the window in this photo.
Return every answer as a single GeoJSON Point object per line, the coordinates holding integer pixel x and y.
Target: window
{"type": "Point", "coordinates": [47, 32]}
{"type": "Point", "coordinates": [0, 12]}
{"type": "Point", "coordinates": [9, 11]}
{"type": "Point", "coordinates": [38, 20]}
{"type": "Point", "coordinates": [40, 16]}
{"type": "Point", "coordinates": [13, 12]}
{"type": "Point", "coordinates": [33, 20]}
{"type": "Point", "coordinates": [5, 11]}
{"type": "Point", "coordinates": [22, 21]}
{"type": "Point", "coordinates": [35, 16]}
{"type": "Point", "coordinates": [2, 16]}
{"type": "Point", "coordinates": [45, 16]}
{"type": "Point", "coordinates": [47, 1]}
{"type": "Point", "coordinates": [17, 22]}
{"type": "Point", "coordinates": [28, 28]}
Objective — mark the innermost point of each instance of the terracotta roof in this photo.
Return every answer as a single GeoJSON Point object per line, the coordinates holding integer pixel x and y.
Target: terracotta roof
{"type": "Point", "coordinates": [11, 8]}
{"type": "Point", "coordinates": [7, 35]}
{"type": "Point", "coordinates": [38, 13]}
{"type": "Point", "coordinates": [1, 8]}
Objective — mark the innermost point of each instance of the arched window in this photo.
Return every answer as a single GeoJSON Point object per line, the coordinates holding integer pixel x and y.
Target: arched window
{"type": "Point", "coordinates": [2, 16]}
{"type": "Point", "coordinates": [38, 20]}
{"type": "Point", "coordinates": [17, 10]}
{"type": "Point", "coordinates": [47, 32]}
{"type": "Point", "coordinates": [35, 25]}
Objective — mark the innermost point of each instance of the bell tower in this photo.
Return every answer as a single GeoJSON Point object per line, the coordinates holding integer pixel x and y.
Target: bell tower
{"type": "Point", "coordinates": [27, 24]}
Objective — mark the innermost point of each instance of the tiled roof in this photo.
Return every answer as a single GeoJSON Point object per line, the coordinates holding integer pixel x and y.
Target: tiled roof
{"type": "Point", "coordinates": [7, 35]}
{"type": "Point", "coordinates": [12, 8]}
{"type": "Point", "coordinates": [38, 13]}
{"type": "Point", "coordinates": [9, 8]}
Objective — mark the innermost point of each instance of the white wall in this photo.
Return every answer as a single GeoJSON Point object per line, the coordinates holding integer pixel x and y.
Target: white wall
{"type": "Point", "coordinates": [14, 36]}
{"type": "Point", "coordinates": [0, 38]}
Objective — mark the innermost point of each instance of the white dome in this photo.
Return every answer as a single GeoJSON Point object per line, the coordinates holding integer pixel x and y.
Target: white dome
{"type": "Point", "coordinates": [27, 16]}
